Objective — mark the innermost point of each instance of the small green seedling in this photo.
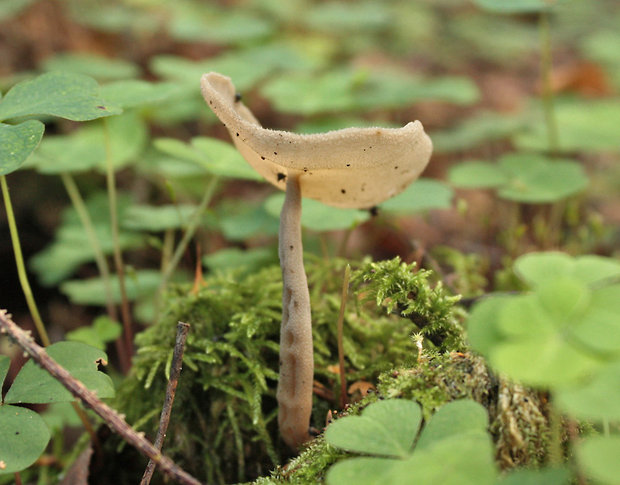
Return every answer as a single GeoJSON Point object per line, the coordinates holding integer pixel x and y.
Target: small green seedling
{"type": "Point", "coordinates": [24, 433]}
{"type": "Point", "coordinates": [452, 448]}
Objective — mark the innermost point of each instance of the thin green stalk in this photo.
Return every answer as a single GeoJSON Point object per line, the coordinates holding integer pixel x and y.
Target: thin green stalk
{"type": "Point", "coordinates": [100, 259]}
{"type": "Point", "coordinates": [343, 302]}
{"type": "Point", "coordinates": [21, 267]}
{"type": "Point", "coordinates": [545, 67]}
{"type": "Point", "coordinates": [189, 232]}
{"type": "Point", "coordinates": [555, 435]}
{"type": "Point", "coordinates": [118, 257]}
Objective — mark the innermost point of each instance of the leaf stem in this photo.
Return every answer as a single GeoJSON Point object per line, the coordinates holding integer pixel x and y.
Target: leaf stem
{"type": "Point", "coordinates": [343, 303]}
{"type": "Point", "coordinates": [547, 88]}
{"type": "Point", "coordinates": [118, 256]}
{"type": "Point", "coordinates": [21, 267]}
{"type": "Point", "coordinates": [189, 232]}
{"type": "Point", "coordinates": [100, 260]}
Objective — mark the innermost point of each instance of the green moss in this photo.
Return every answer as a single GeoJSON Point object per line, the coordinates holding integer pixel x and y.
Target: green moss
{"type": "Point", "coordinates": [516, 418]}
{"type": "Point", "coordinates": [223, 427]}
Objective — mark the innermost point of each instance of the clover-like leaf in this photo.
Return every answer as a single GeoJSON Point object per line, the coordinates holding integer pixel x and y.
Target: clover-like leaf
{"type": "Point", "coordinates": [17, 142]}
{"type": "Point", "coordinates": [421, 195]}
{"type": "Point", "coordinates": [24, 438]}
{"type": "Point", "coordinates": [317, 216]}
{"type": "Point", "coordinates": [454, 418]}
{"type": "Point", "coordinates": [157, 218]}
{"type": "Point", "coordinates": [215, 156]}
{"type": "Point", "coordinates": [5, 363]}
{"type": "Point", "coordinates": [92, 291]}
{"type": "Point", "coordinates": [386, 428]}
{"type": "Point", "coordinates": [130, 93]}
{"type": "Point", "coordinates": [531, 179]}
{"type": "Point", "coordinates": [543, 476]}
{"type": "Point", "coordinates": [598, 458]}
{"type": "Point", "coordinates": [538, 268]}
{"type": "Point", "coordinates": [596, 399]}
{"type": "Point", "coordinates": [98, 67]}
{"type": "Point", "coordinates": [35, 385]}
{"type": "Point", "coordinates": [102, 330]}
{"type": "Point", "coordinates": [516, 6]}
{"type": "Point", "coordinates": [67, 95]}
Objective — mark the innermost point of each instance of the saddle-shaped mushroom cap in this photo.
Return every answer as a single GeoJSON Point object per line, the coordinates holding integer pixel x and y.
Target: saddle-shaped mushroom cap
{"type": "Point", "coordinates": [350, 168]}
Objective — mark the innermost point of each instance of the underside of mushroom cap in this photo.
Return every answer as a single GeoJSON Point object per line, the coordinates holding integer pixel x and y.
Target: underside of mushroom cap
{"type": "Point", "coordinates": [354, 167]}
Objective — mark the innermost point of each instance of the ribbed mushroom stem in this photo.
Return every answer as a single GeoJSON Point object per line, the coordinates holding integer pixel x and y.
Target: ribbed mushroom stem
{"type": "Point", "coordinates": [296, 353]}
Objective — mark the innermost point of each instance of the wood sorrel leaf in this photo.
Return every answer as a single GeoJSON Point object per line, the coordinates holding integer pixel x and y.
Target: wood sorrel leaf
{"type": "Point", "coordinates": [598, 458]}
{"type": "Point", "coordinates": [17, 142]}
{"type": "Point", "coordinates": [5, 362]}
{"type": "Point", "coordinates": [35, 385]}
{"type": "Point", "coordinates": [67, 95]}
{"type": "Point", "coordinates": [24, 438]}
{"type": "Point", "coordinates": [385, 428]}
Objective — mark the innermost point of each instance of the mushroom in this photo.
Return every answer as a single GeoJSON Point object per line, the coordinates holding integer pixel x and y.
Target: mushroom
{"type": "Point", "coordinates": [350, 168]}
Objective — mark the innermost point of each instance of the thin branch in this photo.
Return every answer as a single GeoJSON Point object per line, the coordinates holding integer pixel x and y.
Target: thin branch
{"type": "Point", "coordinates": [113, 419]}
{"type": "Point", "coordinates": [171, 389]}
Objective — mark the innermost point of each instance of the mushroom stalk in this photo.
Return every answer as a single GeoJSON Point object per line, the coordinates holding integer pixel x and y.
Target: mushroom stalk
{"type": "Point", "coordinates": [296, 352]}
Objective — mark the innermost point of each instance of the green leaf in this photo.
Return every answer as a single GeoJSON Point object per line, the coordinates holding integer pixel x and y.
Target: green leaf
{"type": "Point", "coordinates": [516, 6]}
{"type": "Point", "coordinates": [476, 174]}
{"type": "Point", "coordinates": [24, 438]}
{"type": "Point", "coordinates": [157, 218]}
{"type": "Point", "coordinates": [72, 96]}
{"type": "Point", "coordinates": [92, 291]}
{"type": "Point", "coordinates": [203, 22]}
{"type": "Point", "coordinates": [362, 471]}
{"type": "Point", "coordinates": [98, 67]}
{"type": "Point", "coordinates": [421, 195]}
{"type": "Point", "coordinates": [596, 399]}
{"type": "Point", "coordinates": [133, 92]}
{"type": "Point", "coordinates": [454, 418]}
{"type": "Point", "coordinates": [17, 142]}
{"type": "Point", "coordinates": [11, 8]}
{"type": "Point", "coordinates": [482, 331]}
{"type": "Point", "coordinates": [250, 260]}
{"type": "Point", "coordinates": [539, 268]}
{"type": "Point", "coordinates": [349, 89]}
{"type": "Point", "coordinates": [476, 130]}
{"type": "Point", "coordinates": [598, 458]}
{"type": "Point", "coordinates": [5, 363]}
{"type": "Point", "coordinates": [338, 17]}
{"type": "Point", "coordinates": [85, 148]}
{"type": "Point", "coordinates": [239, 222]}
{"type": "Point", "coordinates": [317, 216]}
{"type": "Point", "coordinates": [544, 476]}
{"type": "Point", "coordinates": [71, 246]}
{"type": "Point", "coordinates": [583, 124]}
{"type": "Point", "coordinates": [536, 179]}
{"type": "Point", "coordinates": [215, 156]}
{"type": "Point", "coordinates": [35, 385]}
{"type": "Point", "coordinates": [599, 328]}
{"type": "Point", "coordinates": [102, 331]}
{"type": "Point", "coordinates": [464, 459]}
{"type": "Point", "coordinates": [384, 428]}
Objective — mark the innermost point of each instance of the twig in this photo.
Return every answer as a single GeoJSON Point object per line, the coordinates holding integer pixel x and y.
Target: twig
{"type": "Point", "coordinates": [171, 389]}
{"type": "Point", "coordinates": [114, 420]}
{"type": "Point", "coordinates": [343, 302]}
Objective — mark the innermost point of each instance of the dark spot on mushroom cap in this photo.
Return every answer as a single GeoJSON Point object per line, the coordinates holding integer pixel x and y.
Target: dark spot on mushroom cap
{"type": "Point", "coordinates": [275, 153]}
{"type": "Point", "coordinates": [262, 158]}
{"type": "Point", "coordinates": [237, 97]}
{"type": "Point", "coordinates": [348, 164]}
{"type": "Point", "coordinates": [374, 211]}
{"type": "Point", "coordinates": [281, 176]}
{"type": "Point", "coordinates": [291, 247]}
{"type": "Point", "coordinates": [396, 167]}
{"type": "Point", "coordinates": [237, 134]}
{"type": "Point", "coordinates": [343, 191]}
{"type": "Point", "coordinates": [305, 169]}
